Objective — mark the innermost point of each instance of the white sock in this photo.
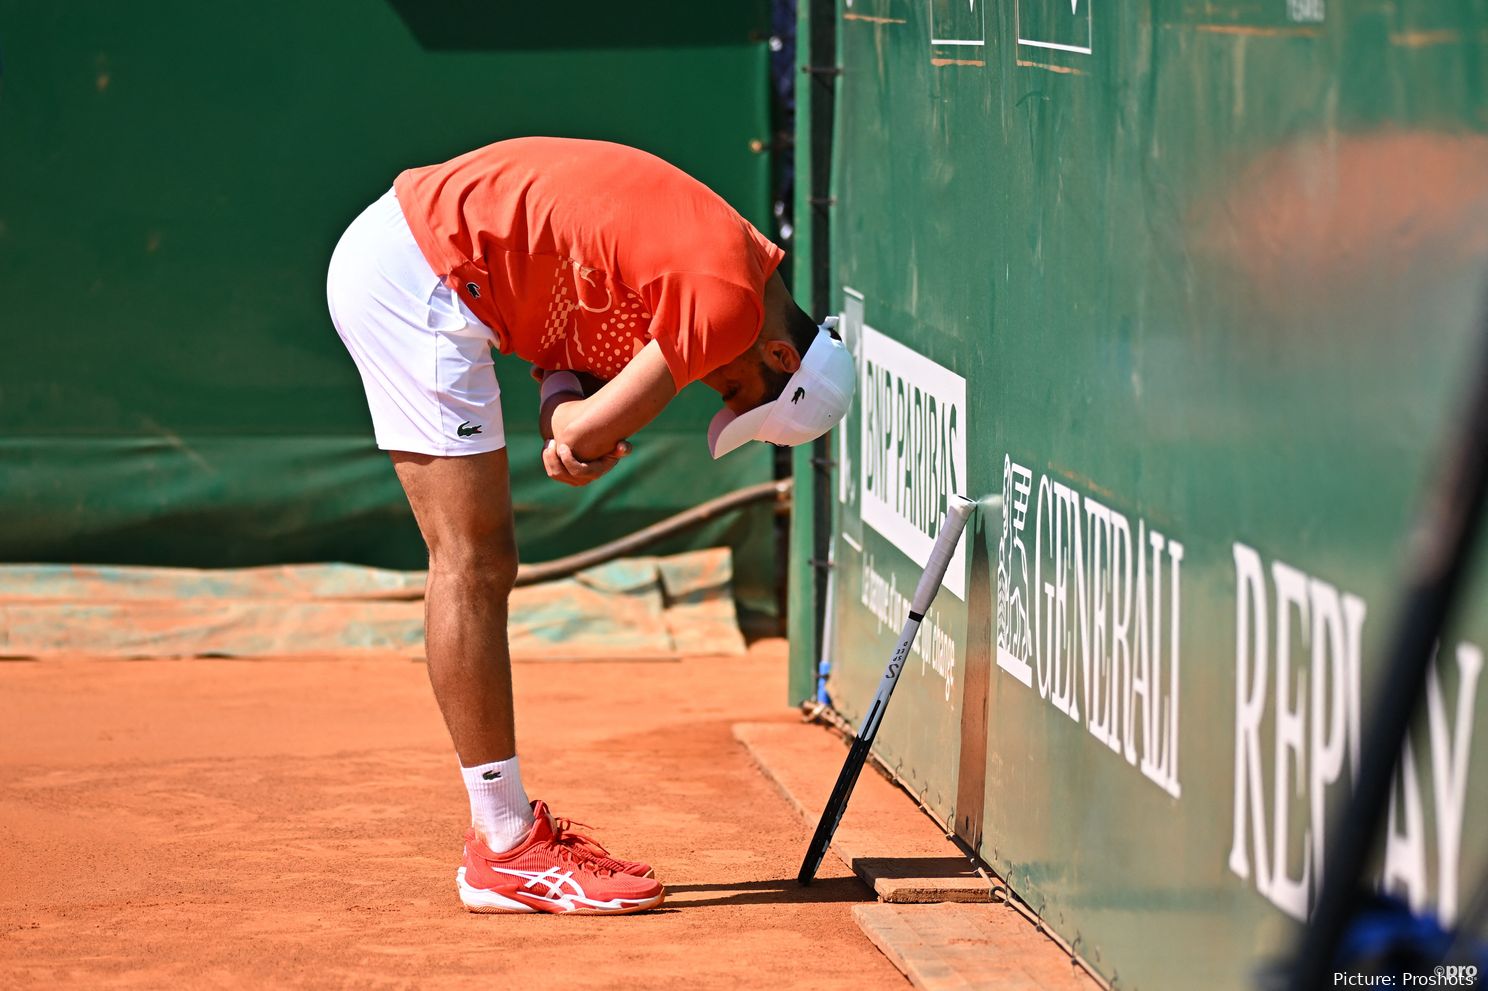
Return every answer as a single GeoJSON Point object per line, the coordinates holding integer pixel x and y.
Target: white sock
{"type": "Point", "coordinates": [499, 809]}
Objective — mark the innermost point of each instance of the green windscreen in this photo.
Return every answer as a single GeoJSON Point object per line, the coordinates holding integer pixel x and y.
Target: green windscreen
{"type": "Point", "coordinates": [173, 177]}
{"type": "Point", "coordinates": [1185, 294]}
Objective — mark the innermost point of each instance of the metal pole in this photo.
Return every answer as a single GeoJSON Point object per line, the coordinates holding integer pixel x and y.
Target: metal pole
{"type": "Point", "coordinates": [822, 70]}
{"type": "Point", "coordinates": [1443, 540]}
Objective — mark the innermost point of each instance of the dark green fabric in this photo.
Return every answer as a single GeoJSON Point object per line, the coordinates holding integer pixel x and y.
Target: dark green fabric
{"type": "Point", "coordinates": [173, 177]}
{"type": "Point", "coordinates": [481, 25]}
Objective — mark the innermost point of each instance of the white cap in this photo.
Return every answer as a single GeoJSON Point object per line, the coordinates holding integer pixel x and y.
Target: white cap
{"type": "Point", "coordinates": [815, 398]}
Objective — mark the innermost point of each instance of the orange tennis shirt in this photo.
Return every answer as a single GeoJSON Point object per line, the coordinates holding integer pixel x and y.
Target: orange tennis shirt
{"type": "Point", "coordinates": [577, 253]}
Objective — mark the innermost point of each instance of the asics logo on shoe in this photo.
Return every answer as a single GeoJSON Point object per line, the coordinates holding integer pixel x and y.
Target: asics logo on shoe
{"type": "Point", "coordinates": [552, 878]}
{"type": "Point", "coordinates": [563, 891]}
{"type": "Point", "coordinates": [466, 430]}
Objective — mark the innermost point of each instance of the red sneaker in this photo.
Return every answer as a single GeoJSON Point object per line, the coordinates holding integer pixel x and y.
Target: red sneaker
{"type": "Point", "coordinates": [632, 867]}
{"type": "Point", "coordinates": [550, 871]}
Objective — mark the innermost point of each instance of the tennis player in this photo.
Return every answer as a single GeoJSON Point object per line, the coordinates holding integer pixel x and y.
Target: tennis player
{"type": "Point", "coordinates": [621, 280]}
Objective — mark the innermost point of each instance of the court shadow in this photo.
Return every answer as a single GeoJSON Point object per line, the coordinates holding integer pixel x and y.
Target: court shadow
{"type": "Point", "coordinates": [774, 892]}
{"type": "Point", "coordinates": [929, 868]}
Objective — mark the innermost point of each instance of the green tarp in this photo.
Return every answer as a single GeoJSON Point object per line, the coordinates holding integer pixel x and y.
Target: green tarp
{"type": "Point", "coordinates": [645, 607]}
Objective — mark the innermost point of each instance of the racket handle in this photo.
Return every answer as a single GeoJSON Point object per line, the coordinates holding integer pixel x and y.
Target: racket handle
{"type": "Point", "coordinates": [957, 513]}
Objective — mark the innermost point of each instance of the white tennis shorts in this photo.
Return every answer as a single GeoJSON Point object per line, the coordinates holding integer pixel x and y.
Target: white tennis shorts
{"type": "Point", "coordinates": [425, 359]}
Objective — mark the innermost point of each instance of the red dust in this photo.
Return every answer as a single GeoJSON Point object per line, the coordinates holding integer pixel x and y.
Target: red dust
{"type": "Point", "coordinates": [297, 823]}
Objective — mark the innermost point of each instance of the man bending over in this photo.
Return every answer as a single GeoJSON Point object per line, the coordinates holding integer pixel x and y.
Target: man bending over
{"type": "Point", "coordinates": [598, 264]}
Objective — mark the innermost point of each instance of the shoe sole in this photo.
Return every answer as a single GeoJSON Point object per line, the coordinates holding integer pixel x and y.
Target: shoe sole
{"type": "Point", "coordinates": [482, 901]}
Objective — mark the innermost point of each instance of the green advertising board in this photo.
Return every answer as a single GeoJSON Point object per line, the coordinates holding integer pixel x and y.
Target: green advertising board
{"type": "Point", "coordinates": [1183, 293]}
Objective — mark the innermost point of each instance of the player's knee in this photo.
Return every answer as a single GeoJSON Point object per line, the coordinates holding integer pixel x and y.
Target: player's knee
{"type": "Point", "coordinates": [489, 565]}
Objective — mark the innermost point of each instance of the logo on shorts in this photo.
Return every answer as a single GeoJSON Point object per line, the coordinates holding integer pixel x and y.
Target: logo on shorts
{"type": "Point", "coordinates": [800, 394]}
{"type": "Point", "coordinates": [466, 430]}
{"type": "Point", "coordinates": [473, 289]}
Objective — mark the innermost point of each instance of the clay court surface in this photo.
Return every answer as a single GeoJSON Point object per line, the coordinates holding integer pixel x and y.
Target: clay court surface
{"type": "Point", "coordinates": [297, 823]}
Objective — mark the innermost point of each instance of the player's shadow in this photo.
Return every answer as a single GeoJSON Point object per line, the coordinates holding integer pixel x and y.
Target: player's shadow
{"type": "Point", "coordinates": [775, 892]}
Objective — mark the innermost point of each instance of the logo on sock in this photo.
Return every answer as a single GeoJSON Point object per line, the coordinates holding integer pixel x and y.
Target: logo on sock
{"type": "Point", "coordinates": [491, 775]}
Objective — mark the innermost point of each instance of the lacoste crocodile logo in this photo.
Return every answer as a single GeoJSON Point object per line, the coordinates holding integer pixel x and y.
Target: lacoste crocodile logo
{"type": "Point", "coordinates": [466, 430]}
{"type": "Point", "coordinates": [491, 775]}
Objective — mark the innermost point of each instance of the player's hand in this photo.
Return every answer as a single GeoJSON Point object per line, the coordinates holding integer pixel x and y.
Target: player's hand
{"type": "Point", "coordinates": [561, 465]}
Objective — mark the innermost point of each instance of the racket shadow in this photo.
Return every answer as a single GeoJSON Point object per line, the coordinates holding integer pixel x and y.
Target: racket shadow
{"type": "Point", "coordinates": [784, 891]}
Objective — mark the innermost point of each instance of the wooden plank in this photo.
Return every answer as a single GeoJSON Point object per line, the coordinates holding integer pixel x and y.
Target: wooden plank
{"type": "Point", "coordinates": [969, 948]}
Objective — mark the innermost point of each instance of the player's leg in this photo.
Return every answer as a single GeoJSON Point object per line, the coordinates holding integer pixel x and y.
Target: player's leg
{"type": "Point", "coordinates": [463, 509]}
{"type": "Point", "coordinates": [517, 857]}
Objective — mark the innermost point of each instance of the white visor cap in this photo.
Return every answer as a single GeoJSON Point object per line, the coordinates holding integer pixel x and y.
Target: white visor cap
{"type": "Point", "coordinates": [816, 397]}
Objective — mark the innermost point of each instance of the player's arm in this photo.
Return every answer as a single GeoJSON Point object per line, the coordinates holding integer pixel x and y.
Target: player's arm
{"type": "Point", "coordinates": [588, 385]}
{"type": "Point", "coordinates": [591, 427]}
{"type": "Point", "coordinates": [587, 433]}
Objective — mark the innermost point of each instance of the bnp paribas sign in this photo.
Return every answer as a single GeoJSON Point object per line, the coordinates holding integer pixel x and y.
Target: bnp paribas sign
{"type": "Point", "coordinates": [913, 448]}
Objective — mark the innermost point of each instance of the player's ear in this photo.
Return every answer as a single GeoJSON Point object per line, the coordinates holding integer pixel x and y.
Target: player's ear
{"type": "Point", "coordinates": [782, 356]}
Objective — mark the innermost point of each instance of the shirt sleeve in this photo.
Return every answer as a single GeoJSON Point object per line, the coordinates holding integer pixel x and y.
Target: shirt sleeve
{"type": "Point", "coordinates": [701, 322]}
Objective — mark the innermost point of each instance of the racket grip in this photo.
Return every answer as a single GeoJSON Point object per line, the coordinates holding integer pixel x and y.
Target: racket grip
{"type": "Point", "coordinates": [957, 513]}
